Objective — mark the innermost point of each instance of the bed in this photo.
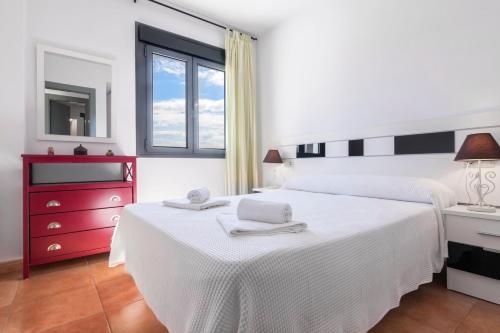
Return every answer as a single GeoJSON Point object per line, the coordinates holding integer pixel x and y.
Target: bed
{"type": "Point", "coordinates": [366, 245]}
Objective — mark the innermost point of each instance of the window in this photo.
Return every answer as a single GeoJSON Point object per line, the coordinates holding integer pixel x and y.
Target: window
{"type": "Point", "coordinates": [180, 100]}
{"type": "Point", "coordinates": [210, 100]}
{"type": "Point", "coordinates": [169, 111]}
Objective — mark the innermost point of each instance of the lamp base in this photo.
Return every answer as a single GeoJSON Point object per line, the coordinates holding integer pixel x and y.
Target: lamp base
{"type": "Point", "coordinates": [483, 209]}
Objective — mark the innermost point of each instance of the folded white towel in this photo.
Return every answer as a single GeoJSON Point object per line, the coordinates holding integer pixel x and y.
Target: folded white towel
{"type": "Point", "coordinates": [264, 211]}
{"type": "Point", "coordinates": [236, 227]}
{"type": "Point", "coordinates": [186, 204]}
{"type": "Point", "coordinates": [199, 195]}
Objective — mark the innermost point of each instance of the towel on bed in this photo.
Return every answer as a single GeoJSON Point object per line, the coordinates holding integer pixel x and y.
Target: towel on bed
{"type": "Point", "coordinates": [186, 204]}
{"type": "Point", "coordinates": [236, 227]}
{"type": "Point", "coordinates": [199, 195]}
{"type": "Point", "coordinates": [264, 211]}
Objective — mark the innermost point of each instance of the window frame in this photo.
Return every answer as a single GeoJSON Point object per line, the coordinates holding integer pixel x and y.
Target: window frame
{"type": "Point", "coordinates": [195, 54]}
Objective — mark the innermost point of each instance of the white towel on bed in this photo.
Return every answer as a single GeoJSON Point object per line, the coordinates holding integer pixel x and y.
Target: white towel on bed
{"type": "Point", "coordinates": [199, 195]}
{"type": "Point", "coordinates": [264, 211]}
{"type": "Point", "coordinates": [236, 227]}
{"type": "Point", "coordinates": [186, 204]}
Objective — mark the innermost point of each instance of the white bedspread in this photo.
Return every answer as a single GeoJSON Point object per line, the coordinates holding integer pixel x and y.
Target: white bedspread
{"type": "Point", "coordinates": [353, 263]}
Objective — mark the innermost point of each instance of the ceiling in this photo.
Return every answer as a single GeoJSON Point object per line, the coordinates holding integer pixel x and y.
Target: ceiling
{"type": "Point", "coordinates": [252, 16]}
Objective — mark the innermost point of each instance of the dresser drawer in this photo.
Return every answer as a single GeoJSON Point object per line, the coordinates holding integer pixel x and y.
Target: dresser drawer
{"type": "Point", "coordinates": [62, 223]}
{"type": "Point", "coordinates": [64, 201]}
{"type": "Point", "coordinates": [473, 231]}
{"type": "Point", "coordinates": [50, 246]}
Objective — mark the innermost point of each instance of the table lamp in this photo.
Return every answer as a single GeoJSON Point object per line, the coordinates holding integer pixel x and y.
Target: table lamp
{"type": "Point", "coordinates": [273, 156]}
{"type": "Point", "coordinates": [477, 148]}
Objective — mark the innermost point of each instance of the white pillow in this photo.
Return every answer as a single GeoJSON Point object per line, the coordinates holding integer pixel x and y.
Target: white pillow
{"type": "Point", "coordinates": [385, 187]}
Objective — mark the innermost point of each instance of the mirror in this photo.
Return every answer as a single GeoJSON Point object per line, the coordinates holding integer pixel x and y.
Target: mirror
{"type": "Point", "coordinates": [74, 96]}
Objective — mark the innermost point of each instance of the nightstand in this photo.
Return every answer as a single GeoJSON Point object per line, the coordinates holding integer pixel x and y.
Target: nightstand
{"type": "Point", "coordinates": [264, 189]}
{"type": "Point", "coordinates": [474, 252]}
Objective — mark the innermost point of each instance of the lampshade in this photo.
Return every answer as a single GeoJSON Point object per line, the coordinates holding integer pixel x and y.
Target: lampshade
{"type": "Point", "coordinates": [273, 156]}
{"type": "Point", "coordinates": [479, 146]}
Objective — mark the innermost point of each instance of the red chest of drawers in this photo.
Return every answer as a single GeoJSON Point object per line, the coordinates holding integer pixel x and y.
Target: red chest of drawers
{"type": "Point", "coordinates": [70, 220]}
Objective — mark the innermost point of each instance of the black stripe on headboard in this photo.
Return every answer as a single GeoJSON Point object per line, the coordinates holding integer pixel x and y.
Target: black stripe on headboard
{"type": "Point", "coordinates": [303, 153]}
{"type": "Point", "coordinates": [429, 143]}
{"type": "Point", "coordinates": [356, 147]}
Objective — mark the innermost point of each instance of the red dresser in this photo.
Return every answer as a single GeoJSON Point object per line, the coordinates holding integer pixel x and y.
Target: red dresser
{"type": "Point", "coordinates": [64, 220]}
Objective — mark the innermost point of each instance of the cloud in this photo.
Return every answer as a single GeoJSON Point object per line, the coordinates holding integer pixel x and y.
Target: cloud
{"type": "Point", "coordinates": [211, 134]}
{"type": "Point", "coordinates": [169, 139]}
{"type": "Point", "coordinates": [212, 76]}
{"type": "Point", "coordinates": [178, 68]}
{"type": "Point", "coordinates": [212, 105]}
{"type": "Point", "coordinates": [169, 65]}
{"type": "Point", "coordinates": [211, 120]}
{"type": "Point", "coordinates": [169, 123]}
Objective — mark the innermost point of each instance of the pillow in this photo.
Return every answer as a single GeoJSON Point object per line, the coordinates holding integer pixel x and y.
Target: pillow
{"type": "Point", "coordinates": [385, 187]}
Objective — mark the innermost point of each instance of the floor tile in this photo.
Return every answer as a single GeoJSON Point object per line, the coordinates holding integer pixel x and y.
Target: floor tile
{"type": "Point", "coordinates": [396, 322]}
{"type": "Point", "coordinates": [135, 317]}
{"type": "Point", "coordinates": [53, 311]}
{"type": "Point", "coordinates": [437, 307]}
{"type": "Point", "coordinates": [51, 284]}
{"type": "Point", "coordinates": [93, 324]}
{"type": "Point", "coordinates": [4, 314]}
{"type": "Point", "coordinates": [483, 318]}
{"type": "Point", "coordinates": [119, 291]}
{"type": "Point", "coordinates": [8, 286]}
{"type": "Point", "coordinates": [101, 272]}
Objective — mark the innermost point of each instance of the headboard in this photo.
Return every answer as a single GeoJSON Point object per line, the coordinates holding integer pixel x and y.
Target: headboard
{"type": "Point", "coordinates": [420, 149]}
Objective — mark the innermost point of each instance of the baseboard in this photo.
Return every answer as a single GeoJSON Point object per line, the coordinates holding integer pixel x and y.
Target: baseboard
{"type": "Point", "coordinates": [11, 266]}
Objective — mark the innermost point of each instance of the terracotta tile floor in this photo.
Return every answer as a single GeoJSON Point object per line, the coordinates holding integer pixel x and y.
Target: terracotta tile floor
{"type": "Point", "coordinates": [86, 296]}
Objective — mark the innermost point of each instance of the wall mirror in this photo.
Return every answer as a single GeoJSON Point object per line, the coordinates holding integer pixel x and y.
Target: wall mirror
{"type": "Point", "coordinates": [74, 96]}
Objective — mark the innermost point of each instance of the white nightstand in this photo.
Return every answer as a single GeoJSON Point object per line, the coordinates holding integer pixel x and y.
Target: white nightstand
{"type": "Point", "coordinates": [264, 189]}
{"type": "Point", "coordinates": [474, 252]}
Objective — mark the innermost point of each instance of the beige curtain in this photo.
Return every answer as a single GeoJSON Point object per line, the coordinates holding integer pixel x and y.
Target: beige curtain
{"type": "Point", "coordinates": [241, 149]}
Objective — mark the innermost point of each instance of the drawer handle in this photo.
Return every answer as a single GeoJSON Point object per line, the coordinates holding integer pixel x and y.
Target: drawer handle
{"type": "Point", "coordinates": [54, 247]}
{"type": "Point", "coordinates": [53, 203]}
{"type": "Point", "coordinates": [115, 218]}
{"type": "Point", "coordinates": [489, 233]}
{"type": "Point", "coordinates": [54, 225]}
{"type": "Point", "coordinates": [115, 198]}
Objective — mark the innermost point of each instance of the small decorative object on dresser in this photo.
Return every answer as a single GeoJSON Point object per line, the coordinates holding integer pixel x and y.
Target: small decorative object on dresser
{"type": "Point", "coordinates": [50, 151]}
{"type": "Point", "coordinates": [476, 148]}
{"type": "Point", "coordinates": [80, 150]}
{"type": "Point", "coordinates": [110, 153]}
{"type": "Point", "coordinates": [474, 252]}
{"type": "Point", "coordinates": [70, 218]}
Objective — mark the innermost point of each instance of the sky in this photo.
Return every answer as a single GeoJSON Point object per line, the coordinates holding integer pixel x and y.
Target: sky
{"type": "Point", "coordinates": [169, 104]}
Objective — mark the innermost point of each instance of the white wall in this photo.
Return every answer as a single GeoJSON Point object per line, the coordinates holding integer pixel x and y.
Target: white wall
{"type": "Point", "coordinates": [102, 28]}
{"type": "Point", "coordinates": [12, 126]}
{"type": "Point", "coordinates": [343, 68]}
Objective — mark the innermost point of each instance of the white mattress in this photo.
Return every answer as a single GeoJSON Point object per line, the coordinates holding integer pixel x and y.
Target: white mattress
{"type": "Point", "coordinates": [357, 258]}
